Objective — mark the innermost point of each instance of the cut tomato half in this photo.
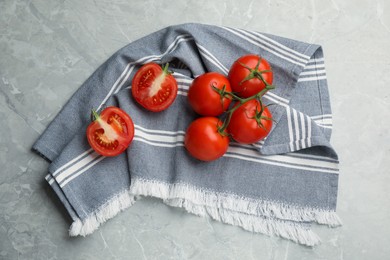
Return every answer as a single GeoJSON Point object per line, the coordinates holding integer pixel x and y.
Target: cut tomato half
{"type": "Point", "coordinates": [111, 132]}
{"type": "Point", "coordinates": [153, 87]}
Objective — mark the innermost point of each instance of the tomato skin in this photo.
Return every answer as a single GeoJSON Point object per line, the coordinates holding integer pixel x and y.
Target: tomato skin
{"type": "Point", "coordinates": [115, 121]}
{"type": "Point", "coordinates": [245, 129]}
{"type": "Point", "coordinates": [203, 141]}
{"type": "Point", "coordinates": [238, 73]}
{"type": "Point", "coordinates": [204, 99]}
{"type": "Point", "coordinates": [154, 88]}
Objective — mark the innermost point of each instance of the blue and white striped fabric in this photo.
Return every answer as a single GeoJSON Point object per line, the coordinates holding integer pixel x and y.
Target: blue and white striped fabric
{"type": "Point", "coordinates": [278, 186]}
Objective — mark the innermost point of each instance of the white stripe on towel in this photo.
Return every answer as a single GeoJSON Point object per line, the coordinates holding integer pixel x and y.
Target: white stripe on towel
{"type": "Point", "coordinates": [268, 47]}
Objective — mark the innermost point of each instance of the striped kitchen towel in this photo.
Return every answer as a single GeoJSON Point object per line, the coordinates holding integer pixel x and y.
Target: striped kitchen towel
{"type": "Point", "coordinates": [278, 186]}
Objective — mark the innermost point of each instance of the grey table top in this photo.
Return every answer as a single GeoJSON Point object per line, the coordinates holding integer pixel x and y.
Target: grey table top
{"type": "Point", "coordinates": [48, 48]}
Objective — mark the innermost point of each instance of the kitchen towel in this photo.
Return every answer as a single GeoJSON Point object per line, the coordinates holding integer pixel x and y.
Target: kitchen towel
{"type": "Point", "coordinates": [278, 186]}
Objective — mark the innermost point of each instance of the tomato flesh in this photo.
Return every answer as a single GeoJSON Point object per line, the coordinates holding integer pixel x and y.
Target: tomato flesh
{"type": "Point", "coordinates": [111, 132]}
{"type": "Point", "coordinates": [244, 128]}
{"type": "Point", "coordinates": [203, 141]}
{"type": "Point", "coordinates": [154, 88]}
{"type": "Point", "coordinates": [239, 72]}
{"type": "Point", "coordinates": [102, 140]}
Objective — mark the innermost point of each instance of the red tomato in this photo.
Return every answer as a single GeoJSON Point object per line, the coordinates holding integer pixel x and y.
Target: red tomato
{"type": "Point", "coordinates": [111, 132]}
{"type": "Point", "coordinates": [245, 74]}
{"type": "Point", "coordinates": [203, 141]}
{"type": "Point", "coordinates": [243, 126]}
{"type": "Point", "coordinates": [204, 99]}
{"type": "Point", "coordinates": [154, 88]}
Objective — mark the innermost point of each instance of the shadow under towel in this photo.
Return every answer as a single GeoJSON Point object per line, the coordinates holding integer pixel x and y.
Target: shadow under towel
{"type": "Point", "coordinates": [278, 186]}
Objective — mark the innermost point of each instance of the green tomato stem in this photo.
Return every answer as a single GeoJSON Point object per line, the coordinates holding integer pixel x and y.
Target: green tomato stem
{"type": "Point", "coordinates": [254, 73]}
{"type": "Point", "coordinates": [165, 69]}
{"type": "Point", "coordinates": [241, 101]}
{"type": "Point", "coordinates": [95, 115]}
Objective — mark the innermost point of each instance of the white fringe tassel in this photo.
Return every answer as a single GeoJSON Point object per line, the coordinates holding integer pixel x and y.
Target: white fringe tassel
{"type": "Point", "coordinates": [107, 211]}
{"type": "Point", "coordinates": [254, 215]}
{"type": "Point", "coordinates": [272, 227]}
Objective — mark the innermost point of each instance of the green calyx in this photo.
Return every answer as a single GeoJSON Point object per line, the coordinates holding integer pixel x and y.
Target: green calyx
{"type": "Point", "coordinates": [165, 69]}
{"type": "Point", "coordinates": [255, 73]}
{"type": "Point", "coordinates": [258, 117]}
{"type": "Point", "coordinates": [240, 101]}
{"type": "Point", "coordinates": [94, 115]}
{"type": "Point", "coordinates": [222, 93]}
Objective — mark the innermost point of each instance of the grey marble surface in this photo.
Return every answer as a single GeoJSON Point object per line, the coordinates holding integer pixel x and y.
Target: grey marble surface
{"type": "Point", "coordinates": [48, 48]}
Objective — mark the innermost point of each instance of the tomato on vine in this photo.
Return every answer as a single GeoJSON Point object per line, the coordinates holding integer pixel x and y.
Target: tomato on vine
{"type": "Point", "coordinates": [204, 141]}
{"type": "Point", "coordinates": [250, 122]}
{"type": "Point", "coordinates": [249, 75]}
{"type": "Point", "coordinates": [202, 95]}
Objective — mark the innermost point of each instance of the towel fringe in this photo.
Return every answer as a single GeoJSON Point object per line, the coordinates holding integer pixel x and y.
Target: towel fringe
{"type": "Point", "coordinates": [254, 215]}
{"type": "Point", "coordinates": [272, 227]}
{"type": "Point", "coordinates": [107, 211]}
{"type": "Point", "coordinates": [260, 216]}
{"type": "Point", "coordinates": [233, 202]}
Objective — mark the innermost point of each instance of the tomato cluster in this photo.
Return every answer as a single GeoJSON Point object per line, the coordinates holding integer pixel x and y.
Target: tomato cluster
{"type": "Point", "coordinates": [236, 99]}
{"type": "Point", "coordinates": [247, 121]}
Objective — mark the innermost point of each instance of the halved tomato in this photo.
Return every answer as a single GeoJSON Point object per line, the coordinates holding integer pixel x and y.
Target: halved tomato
{"type": "Point", "coordinates": [153, 87]}
{"type": "Point", "coordinates": [111, 132]}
